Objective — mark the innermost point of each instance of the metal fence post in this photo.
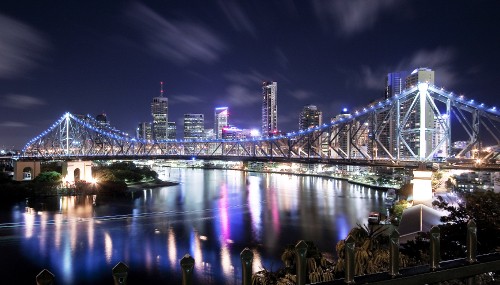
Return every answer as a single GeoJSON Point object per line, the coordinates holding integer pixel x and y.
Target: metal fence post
{"type": "Point", "coordinates": [435, 234]}
{"type": "Point", "coordinates": [394, 253]}
{"type": "Point", "coordinates": [246, 263]}
{"type": "Point", "coordinates": [471, 247]}
{"type": "Point", "coordinates": [45, 277]}
{"type": "Point", "coordinates": [471, 241]}
{"type": "Point", "coordinates": [349, 260]}
{"type": "Point", "coordinates": [187, 265]}
{"type": "Point", "coordinates": [301, 251]}
{"type": "Point", "coordinates": [120, 273]}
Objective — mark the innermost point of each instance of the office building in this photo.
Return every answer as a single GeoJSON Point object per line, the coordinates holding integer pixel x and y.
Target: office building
{"type": "Point", "coordinates": [194, 126]}
{"type": "Point", "coordinates": [172, 130]}
{"type": "Point", "coordinates": [269, 109]}
{"type": "Point", "coordinates": [386, 140]}
{"type": "Point", "coordinates": [310, 117]}
{"type": "Point", "coordinates": [159, 111]}
{"type": "Point", "coordinates": [395, 83]}
{"type": "Point", "coordinates": [103, 123]}
{"type": "Point", "coordinates": [209, 134]}
{"type": "Point", "coordinates": [441, 125]}
{"type": "Point", "coordinates": [419, 116]}
{"type": "Point", "coordinates": [144, 131]}
{"type": "Point", "coordinates": [419, 75]}
{"type": "Point", "coordinates": [341, 142]}
{"type": "Point", "coordinates": [221, 115]}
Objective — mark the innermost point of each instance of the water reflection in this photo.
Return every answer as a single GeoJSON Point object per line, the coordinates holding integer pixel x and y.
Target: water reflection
{"type": "Point", "coordinates": [212, 215]}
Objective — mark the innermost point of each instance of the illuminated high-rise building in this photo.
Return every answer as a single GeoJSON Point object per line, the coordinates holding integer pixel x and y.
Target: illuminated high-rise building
{"type": "Point", "coordinates": [221, 117]}
{"type": "Point", "coordinates": [159, 111]}
{"type": "Point", "coordinates": [269, 109]}
{"type": "Point", "coordinates": [310, 117]}
{"type": "Point", "coordinates": [172, 130]}
{"type": "Point", "coordinates": [102, 119]}
{"type": "Point", "coordinates": [416, 119]}
{"type": "Point", "coordinates": [194, 126]}
{"type": "Point", "coordinates": [395, 83]}
{"type": "Point", "coordinates": [419, 75]}
{"type": "Point", "coordinates": [441, 124]}
{"type": "Point", "coordinates": [144, 131]}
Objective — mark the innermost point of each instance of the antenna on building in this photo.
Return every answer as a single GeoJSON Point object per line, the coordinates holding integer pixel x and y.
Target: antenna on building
{"type": "Point", "coordinates": [161, 88]}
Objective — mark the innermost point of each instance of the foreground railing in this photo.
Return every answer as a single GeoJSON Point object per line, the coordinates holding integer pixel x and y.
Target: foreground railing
{"type": "Point", "coordinates": [436, 271]}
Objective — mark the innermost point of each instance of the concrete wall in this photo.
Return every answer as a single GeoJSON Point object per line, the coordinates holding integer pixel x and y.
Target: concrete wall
{"type": "Point", "coordinates": [19, 166]}
{"type": "Point", "coordinates": [69, 167]}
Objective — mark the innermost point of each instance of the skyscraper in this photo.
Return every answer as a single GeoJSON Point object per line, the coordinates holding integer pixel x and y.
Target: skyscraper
{"type": "Point", "coordinates": [395, 83]}
{"type": "Point", "coordinates": [417, 120]}
{"type": "Point", "coordinates": [421, 74]}
{"type": "Point", "coordinates": [159, 111]}
{"type": "Point", "coordinates": [269, 109]}
{"type": "Point", "coordinates": [144, 131]}
{"type": "Point", "coordinates": [310, 117]}
{"type": "Point", "coordinates": [194, 126]}
{"type": "Point", "coordinates": [221, 116]}
{"type": "Point", "coordinates": [172, 130]}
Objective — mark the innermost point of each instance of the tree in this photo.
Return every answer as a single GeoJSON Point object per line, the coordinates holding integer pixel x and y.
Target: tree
{"type": "Point", "coordinates": [484, 209]}
{"type": "Point", "coordinates": [48, 177]}
{"type": "Point", "coordinates": [371, 251]}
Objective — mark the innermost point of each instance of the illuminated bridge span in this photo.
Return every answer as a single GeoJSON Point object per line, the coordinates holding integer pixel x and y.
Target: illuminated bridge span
{"type": "Point", "coordinates": [416, 125]}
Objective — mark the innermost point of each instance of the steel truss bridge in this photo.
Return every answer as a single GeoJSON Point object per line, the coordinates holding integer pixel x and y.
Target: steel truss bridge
{"type": "Point", "coordinates": [415, 126]}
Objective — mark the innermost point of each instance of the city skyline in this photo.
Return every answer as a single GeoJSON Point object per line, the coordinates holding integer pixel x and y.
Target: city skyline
{"type": "Point", "coordinates": [92, 57]}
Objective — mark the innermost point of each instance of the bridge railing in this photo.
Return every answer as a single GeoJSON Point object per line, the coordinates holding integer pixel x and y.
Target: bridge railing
{"type": "Point", "coordinates": [436, 271]}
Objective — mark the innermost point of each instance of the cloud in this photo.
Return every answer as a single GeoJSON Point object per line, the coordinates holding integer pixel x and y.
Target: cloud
{"type": "Point", "coordinates": [301, 94]}
{"type": "Point", "coordinates": [238, 19]}
{"type": "Point", "coordinates": [281, 58]}
{"type": "Point", "coordinates": [185, 99]}
{"type": "Point", "coordinates": [440, 60]}
{"type": "Point", "coordinates": [24, 102]}
{"type": "Point", "coordinates": [351, 16]}
{"type": "Point", "coordinates": [242, 96]}
{"type": "Point", "coordinates": [252, 78]}
{"type": "Point", "coordinates": [182, 42]}
{"type": "Point", "coordinates": [20, 47]}
{"type": "Point", "coordinates": [9, 124]}
{"type": "Point", "coordinates": [372, 79]}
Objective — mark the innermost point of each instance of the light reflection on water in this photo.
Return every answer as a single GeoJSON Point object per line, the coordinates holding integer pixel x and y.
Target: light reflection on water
{"type": "Point", "coordinates": [211, 215]}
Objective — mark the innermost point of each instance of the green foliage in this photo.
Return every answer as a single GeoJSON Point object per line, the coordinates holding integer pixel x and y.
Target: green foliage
{"type": "Point", "coordinates": [123, 172]}
{"type": "Point", "coordinates": [484, 209]}
{"type": "Point", "coordinates": [48, 177]}
{"type": "Point", "coordinates": [398, 209]}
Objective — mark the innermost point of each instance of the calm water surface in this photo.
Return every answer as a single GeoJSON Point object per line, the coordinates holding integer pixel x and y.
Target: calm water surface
{"type": "Point", "coordinates": [211, 215]}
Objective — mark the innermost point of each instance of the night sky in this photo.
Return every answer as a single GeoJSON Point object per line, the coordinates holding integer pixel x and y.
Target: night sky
{"type": "Point", "coordinates": [92, 57]}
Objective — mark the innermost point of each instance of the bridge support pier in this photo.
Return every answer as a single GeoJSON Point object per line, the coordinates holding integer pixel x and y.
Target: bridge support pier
{"type": "Point", "coordinates": [422, 186]}
{"type": "Point", "coordinates": [73, 171]}
{"type": "Point", "coordinates": [26, 170]}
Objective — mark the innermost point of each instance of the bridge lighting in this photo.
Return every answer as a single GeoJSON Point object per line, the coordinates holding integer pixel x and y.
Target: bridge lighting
{"type": "Point", "coordinates": [254, 133]}
{"type": "Point", "coordinates": [494, 108]}
{"type": "Point", "coordinates": [471, 101]}
{"type": "Point", "coordinates": [481, 105]}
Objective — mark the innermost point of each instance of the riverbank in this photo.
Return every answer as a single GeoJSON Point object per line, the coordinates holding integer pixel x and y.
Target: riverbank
{"type": "Point", "coordinates": [150, 184]}
{"type": "Point", "coordinates": [329, 176]}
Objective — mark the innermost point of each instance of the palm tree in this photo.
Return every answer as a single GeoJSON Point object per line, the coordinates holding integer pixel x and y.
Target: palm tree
{"type": "Point", "coordinates": [371, 251]}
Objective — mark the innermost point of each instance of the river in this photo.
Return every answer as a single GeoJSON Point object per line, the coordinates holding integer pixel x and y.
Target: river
{"type": "Point", "coordinates": [211, 215]}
